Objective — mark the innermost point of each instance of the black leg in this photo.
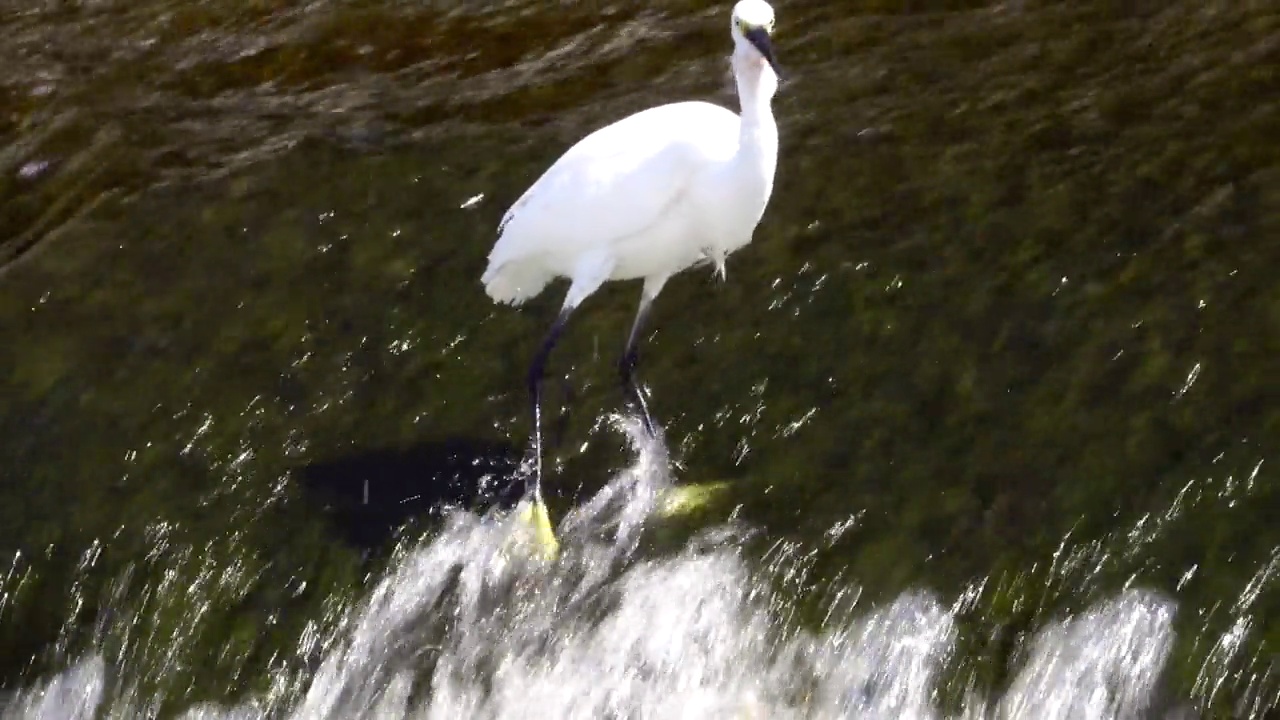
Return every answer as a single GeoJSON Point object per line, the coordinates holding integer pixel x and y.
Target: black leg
{"type": "Point", "coordinates": [534, 484]}
{"type": "Point", "coordinates": [627, 366]}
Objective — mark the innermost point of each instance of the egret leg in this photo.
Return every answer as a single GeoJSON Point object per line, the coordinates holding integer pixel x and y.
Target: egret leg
{"type": "Point", "coordinates": [590, 272]}
{"type": "Point", "coordinates": [631, 354]}
{"type": "Point", "coordinates": [533, 485]}
{"type": "Point", "coordinates": [627, 367]}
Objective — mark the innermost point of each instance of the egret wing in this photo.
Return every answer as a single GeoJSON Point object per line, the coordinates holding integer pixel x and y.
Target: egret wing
{"type": "Point", "coordinates": [616, 181]}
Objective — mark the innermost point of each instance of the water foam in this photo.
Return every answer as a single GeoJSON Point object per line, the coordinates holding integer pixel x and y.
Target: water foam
{"type": "Point", "coordinates": [456, 628]}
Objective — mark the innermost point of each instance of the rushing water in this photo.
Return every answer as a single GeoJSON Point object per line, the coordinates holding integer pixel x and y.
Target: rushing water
{"type": "Point", "coordinates": [986, 417]}
{"type": "Point", "coordinates": [463, 626]}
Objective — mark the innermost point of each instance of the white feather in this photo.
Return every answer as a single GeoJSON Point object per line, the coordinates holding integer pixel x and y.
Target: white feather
{"type": "Point", "coordinates": [649, 195]}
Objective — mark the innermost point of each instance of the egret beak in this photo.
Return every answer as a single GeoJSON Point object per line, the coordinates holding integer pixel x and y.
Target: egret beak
{"type": "Point", "coordinates": [759, 37]}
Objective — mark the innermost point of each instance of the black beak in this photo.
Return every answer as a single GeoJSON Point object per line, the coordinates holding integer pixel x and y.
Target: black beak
{"type": "Point", "coordinates": [759, 37]}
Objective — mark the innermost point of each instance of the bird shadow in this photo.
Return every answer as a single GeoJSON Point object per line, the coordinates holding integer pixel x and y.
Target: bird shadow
{"type": "Point", "coordinates": [369, 495]}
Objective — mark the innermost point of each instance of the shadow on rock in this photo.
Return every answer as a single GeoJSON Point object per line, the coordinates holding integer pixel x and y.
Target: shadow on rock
{"type": "Point", "coordinates": [370, 495]}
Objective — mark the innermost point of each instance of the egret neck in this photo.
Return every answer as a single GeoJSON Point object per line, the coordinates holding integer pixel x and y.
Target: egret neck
{"type": "Point", "coordinates": [758, 133]}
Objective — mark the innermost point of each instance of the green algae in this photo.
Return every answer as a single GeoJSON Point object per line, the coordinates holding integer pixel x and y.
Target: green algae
{"type": "Point", "coordinates": [1012, 303]}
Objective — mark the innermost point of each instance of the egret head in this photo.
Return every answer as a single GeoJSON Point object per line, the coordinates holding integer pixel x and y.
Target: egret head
{"type": "Point", "coordinates": [752, 28]}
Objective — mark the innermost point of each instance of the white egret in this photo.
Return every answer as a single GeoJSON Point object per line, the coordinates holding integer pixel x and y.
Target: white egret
{"type": "Point", "coordinates": [646, 197]}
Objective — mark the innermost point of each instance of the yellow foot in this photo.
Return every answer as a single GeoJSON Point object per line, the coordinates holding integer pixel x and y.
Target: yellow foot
{"type": "Point", "coordinates": [689, 499]}
{"type": "Point", "coordinates": [532, 532]}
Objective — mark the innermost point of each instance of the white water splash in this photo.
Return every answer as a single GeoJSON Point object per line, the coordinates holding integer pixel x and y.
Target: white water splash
{"type": "Point", "coordinates": [458, 629]}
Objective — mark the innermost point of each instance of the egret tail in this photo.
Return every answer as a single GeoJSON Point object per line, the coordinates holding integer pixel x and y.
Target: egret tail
{"type": "Point", "coordinates": [513, 282]}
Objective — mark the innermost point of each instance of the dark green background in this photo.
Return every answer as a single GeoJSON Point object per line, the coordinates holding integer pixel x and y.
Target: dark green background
{"type": "Point", "coordinates": [1016, 291]}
